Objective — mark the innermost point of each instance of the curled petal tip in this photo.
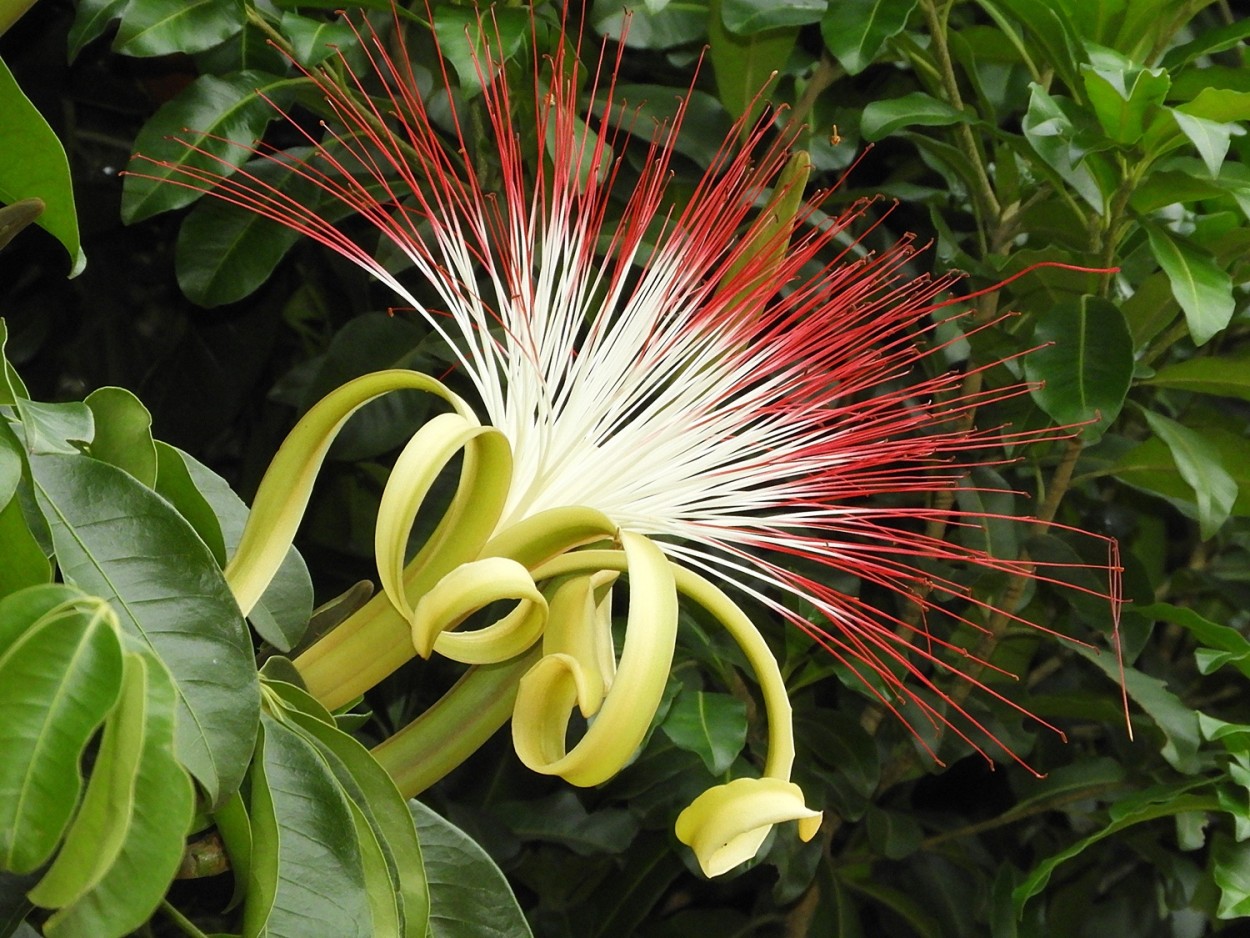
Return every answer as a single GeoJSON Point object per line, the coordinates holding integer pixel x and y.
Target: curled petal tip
{"type": "Point", "coordinates": [727, 825]}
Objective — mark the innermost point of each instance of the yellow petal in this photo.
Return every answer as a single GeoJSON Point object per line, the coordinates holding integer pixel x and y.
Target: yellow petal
{"type": "Point", "coordinates": [726, 825]}
{"type": "Point", "coordinates": [548, 692]}
{"type": "Point", "coordinates": [468, 589]}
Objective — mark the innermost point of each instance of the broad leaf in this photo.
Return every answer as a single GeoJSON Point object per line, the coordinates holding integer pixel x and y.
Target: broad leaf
{"type": "Point", "coordinates": [60, 674]}
{"type": "Point", "coordinates": [713, 726]}
{"type": "Point", "coordinates": [121, 541]}
{"type": "Point", "coordinates": [882, 118]}
{"type": "Point", "coordinates": [1203, 290]}
{"type": "Point", "coordinates": [1201, 466]}
{"type": "Point", "coordinates": [1084, 367]}
{"type": "Point", "coordinates": [208, 128]}
{"type": "Point", "coordinates": [469, 897]}
{"type": "Point", "coordinates": [744, 65]}
{"type": "Point", "coordinates": [151, 28]}
{"type": "Point", "coordinates": [855, 31]}
{"type": "Point", "coordinates": [164, 804]}
{"type": "Point", "coordinates": [123, 433]}
{"type": "Point", "coordinates": [1227, 376]}
{"type": "Point", "coordinates": [748, 17]}
{"type": "Point", "coordinates": [33, 166]}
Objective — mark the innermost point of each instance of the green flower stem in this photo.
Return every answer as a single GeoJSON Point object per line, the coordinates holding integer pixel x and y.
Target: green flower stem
{"type": "Point", "coordinates": [376, 640]}
{"type": "Point", "coordinates": [455, 727]}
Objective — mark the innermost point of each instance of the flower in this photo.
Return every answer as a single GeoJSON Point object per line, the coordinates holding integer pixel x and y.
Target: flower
{"type": "Point", "coordinates": [732, 388]}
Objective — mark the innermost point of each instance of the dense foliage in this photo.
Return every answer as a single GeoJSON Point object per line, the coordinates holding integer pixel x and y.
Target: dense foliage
{"type": "Point", "coordinates": [1099, 134]}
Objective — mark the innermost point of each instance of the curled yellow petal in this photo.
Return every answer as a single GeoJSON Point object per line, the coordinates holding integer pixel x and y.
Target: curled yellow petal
{"type": "Point", "coordinates": [572, 636]}
{"type": "Point", "coordinates": [467, 589]}
{"type": "Point", "coordinates": [548, 692]}
{"type": "Point", "coordinates": [726, 825]}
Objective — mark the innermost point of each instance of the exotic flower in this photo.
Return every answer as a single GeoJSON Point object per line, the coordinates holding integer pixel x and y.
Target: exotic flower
{"type": "Point", "coordinates": [680, 392]}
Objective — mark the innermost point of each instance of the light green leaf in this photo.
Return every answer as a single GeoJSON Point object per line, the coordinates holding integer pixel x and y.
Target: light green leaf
{"type": "Point", "coordinates": [748, 17]}
{"type": "Point", "coordinates": [122, 541]}
{"type": "Point", "coordinates": [1051, 131]}
{"type": "Point", "coordinates": [1084, 369]}
{"type": "Point", "coordinates": [60, 674]}
{"type": "Point", "coordinates": [1151, 466]}
{"type": "Point", "coordinates": [164, 801]}
{"type": "Point", "coordinates": [1231, 872]}
{"type": "Point", "coordinates": [464, 35]}
{"type": "Point", "coordinates": [55, 428]}
{"type": "Point", "coordinates": [175, 485]}
{"type": "Point", "coordinates": [1201, 466]}
{"type": "Point", "coordinates": [25, 563]}
{"type": "Point", "coordinates": [1203, 290]}
{"type": "Point", "coordinates": [1222, 644]}
{"type": "Point", "coordinates": [33, 166]}
{"type": "Point", "coordinates": [1224, 375]}
{"type": "Point", "coordinates": [123, 433]}
{"type": "Point", "coordinates": [744, 65]}
{"type": "Point", "coordinates": [1122, 94]}
{"type": "Point", "coordinates": [469, 897]}
{"type": "Point", "coordinates": [855, 31]}
{"type": "Point", "coordinates": [882, 118]}
{"type": "Point", "coordinates": [1210, 138]}
{"type": "Point", "coordinates": [151, 28]}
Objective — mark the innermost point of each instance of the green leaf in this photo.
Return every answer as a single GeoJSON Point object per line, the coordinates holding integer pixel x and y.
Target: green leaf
{"type": "Point", "coordinates": [1222, 644]}
{"type": "Point", "coordinates": [1151, 466]}
{"type": "Point", "coordinates": [882, 118]}
{"type": "Point", "coordinates": [744, 65]}
{"type": "Point", "coordinates": [893, 835]}
{"type": "Point", "coordinates": [208, 128]}
{"type": "Point", "coordinates": [464, 35]}
{"type": "Point", "coordinates": [306, 863]}
{"type": "Point", "coordinates": [1231, 872]}
{"type": "Point", "coordinates": [122, 541]}
{"type": "Point", "coordinates": [1053, 35]}
{"type": "Point", "coordinates": [33, 166]}
{"type": "Point", "coordinates": [123, 433]}
{"type": "Point", "coordinates": [1201, 466]}
{"type": "Point", "coordinates": [164, 805]}
{"type": "Point", "coordinates": [225, 253]}
{"type": "Point", "coordinates": [285, 607]}
{"type": "Point", "coordinates": [60, 674]}
{"type": "Point", "coordinates": [1226, 376]}
{"type": "Point", "coordinates": [55, 428]}
{"type": "Point", "coordinates": [1051, 127]}
{"type": "Point", "coordinates": [1121, 93]}
{"type": "Point", "coordinates": [1210, 138]}
{"type": "Point", "coordinates": [1207, 42]}
{"type": "Point", "coordinates": [25, 563]}
{"type": "Point", "coordinates": [175, 484]}
{"type": "Point", "coordinates": [1158, 803]}
{"type": "Point", "coordinates": [10, 465]}
{"type": "Point", "coordinates": [713, 726]}
{"type": "Point", "coordinates": [1203, 290]}
{"type": "Point", "coordinates": [748, 17]}
{"type": "Point", "coordinates": [12, 389]}
{"type": "Point", "coordinates": [312, 40]}
{"type": "Point", "coordinates": [1222, 105]}
{"type": "Point", "coordinates": [151, 27]}
{"type": "Point", "coordinates": [91, 19]}
{"type": "Point", "coordinates": [855, 31]}
{"type": "Point", "coordinates": [1084, 369]}
{"type": "Point", "coordinates": [469, 897]}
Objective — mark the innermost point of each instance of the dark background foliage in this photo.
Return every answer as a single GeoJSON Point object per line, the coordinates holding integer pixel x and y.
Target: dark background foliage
{"type": "Point", "coordinates": [1006, 132]}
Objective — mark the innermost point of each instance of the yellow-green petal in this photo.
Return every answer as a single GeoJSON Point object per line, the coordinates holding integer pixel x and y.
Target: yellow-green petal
{"type": "Point", "coordinates": [467, 589]}
{"type": "Point", "coordinates": [726, 825]}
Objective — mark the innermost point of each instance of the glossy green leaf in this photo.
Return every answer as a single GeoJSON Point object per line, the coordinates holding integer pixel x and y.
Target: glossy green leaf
{"type": "Point", "coordinates": [1051, 35]}
{"type": "Point", "coordinates": [60, 674]}
{"type": "Point", "coordinates": [1223, 375]}
{"type": "Point", "coordinates": [1151, 466]}
{"type": "Point", "coordinates": [123, 433]}
{"type": "Point", "coordinates": [469, 897]}
{"type": "Point", "coordinates": [1084, 365]}
{"type": "Point", "coordinates": [748, 17]}
{"type": "Point", "coordinates": [1231, 872]}
{"type": "Point", "coordinates": [33, 165]}
{"type": "Point", "coordinates": [225, 253]}
{"type": "Point", "coordinates": [164, 801]}
{"type": "Point", "coordinates": [209, 127]}
{"type": "Point", "coordinates": [91, 19]}
{"type": "Point", "coordinates": [10, 465]}
{"type": "Point", "coordinates": [25, 563]}
{"type": "Point", "coordinates": [314, 40]}
{"type": "Point", "coordinates": [103, 820]}
{"type": "Point", "coordinates": [1207, 42]}
{"type": "Point", "coordinates": [1122, 94]}
{"type": "Point", "coordinates": [1210, 138]}
{"type": "Point", "coordinates": [1203, 290]}
{"type": "Point", "coordinates": [465, 38]}
{"type": "Point", "coordinates": [285, 607]}
{"type": "Point", "coordinates": [306, 862]}
{"type": "Point", "coordinates": [1050, 126]}
{"type": "Point", "coordinates": [855, 31]}
{"type": "Point", "coordinates": [882, 118]}
{"type": "Point", "coordinates": [175, 484]}
{"type": "Point", "coordinates": [1200, 464]}
{"type": "Point", "coordinates": [122, 541]}
{"type": "Point", "coordinates": [1223, 105]}
{"type": "Point", "coordinates": [55, 428]}
{"type": "Point", "coordinates": [744, 65]}
{"type": "Point", "coordinates": [150, 27]}
{"type": "Point", "coordinates": [713, 726]}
